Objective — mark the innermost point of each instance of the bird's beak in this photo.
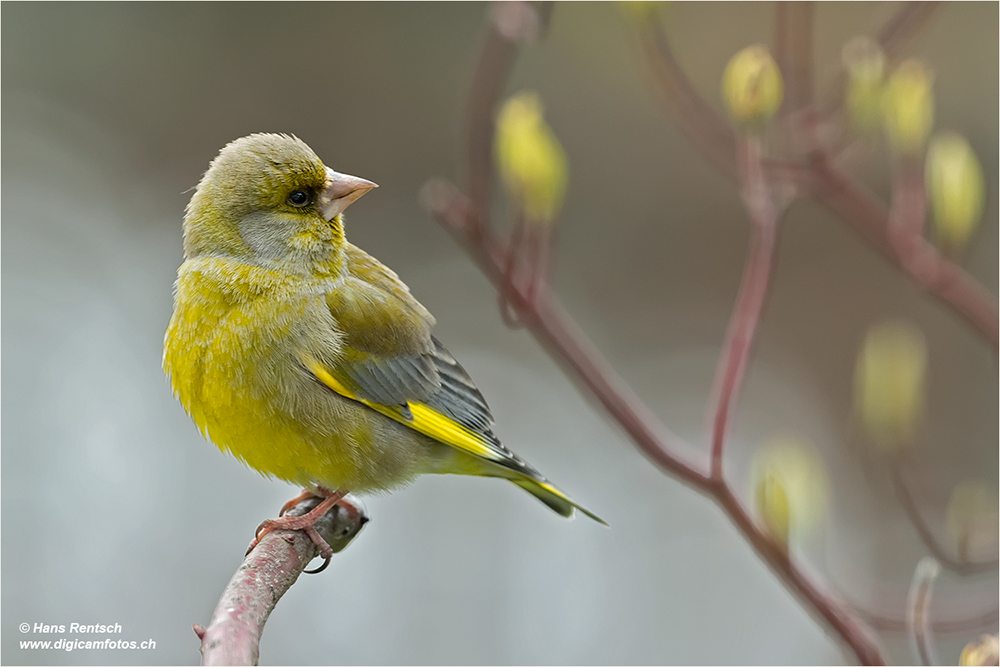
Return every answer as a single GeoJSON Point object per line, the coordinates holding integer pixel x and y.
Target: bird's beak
{"type": "Point", "coordinates": [340, 192]}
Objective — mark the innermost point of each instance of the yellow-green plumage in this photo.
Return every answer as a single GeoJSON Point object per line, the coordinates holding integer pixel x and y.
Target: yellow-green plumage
{"type": "Point", "coordinates": [304, 356]}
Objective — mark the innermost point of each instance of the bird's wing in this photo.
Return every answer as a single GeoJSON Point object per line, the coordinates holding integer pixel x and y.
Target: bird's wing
{"type": "Point", "coordinates": [392, 364]}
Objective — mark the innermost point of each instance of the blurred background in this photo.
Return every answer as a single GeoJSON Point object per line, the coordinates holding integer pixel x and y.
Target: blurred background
{"type": "Point", "coordinates": [115, 510]}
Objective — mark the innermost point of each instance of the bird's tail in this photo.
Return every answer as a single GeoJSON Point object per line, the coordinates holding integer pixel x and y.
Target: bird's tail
{"type": "Point", "coordinates": [558, 501]}
{"type": "Point", "coordinates": [456, 461]}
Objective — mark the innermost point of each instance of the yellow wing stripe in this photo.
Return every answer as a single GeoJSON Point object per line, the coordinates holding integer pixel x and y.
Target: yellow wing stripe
{"type": "Point", "coordinates": [432, 423]}
{"type": "Point", "coordinates": [554, 491]}
{"type": "Point", "coordinates": [425, 419]}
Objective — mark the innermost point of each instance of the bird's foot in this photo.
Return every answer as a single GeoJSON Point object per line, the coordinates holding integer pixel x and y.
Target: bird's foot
{"type": "Point", "coordinates": [305, 495]}
{"type": "Point", "coordinates": [305, 522]}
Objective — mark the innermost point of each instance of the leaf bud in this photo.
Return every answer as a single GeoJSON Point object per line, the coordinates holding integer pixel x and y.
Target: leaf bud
{"type": "Point", "coordinates": [752, 86]}
{"type": "Point", "coordinates": [982, 651]}
{"type": "Point", "coordinates": [889, 383]}
{"type": "Point", "coordinates": [954, 182]}
{"type": "Point", "coordinates": [789, 486]}
{"type": "Point", "coordinates": [531, 161]}
{"type": "Point", "coordinates": [971, 519]}
{"type": "Point", "coordinates": [865, 66]}
{"type": "Point", "coordinates": [908, 107]}
{"type": "Point", "coordinates": [642, 11]}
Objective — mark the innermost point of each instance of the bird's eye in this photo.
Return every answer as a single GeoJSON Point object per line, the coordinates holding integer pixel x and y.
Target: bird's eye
{"type": "Point", "coordinates": [298, 198]}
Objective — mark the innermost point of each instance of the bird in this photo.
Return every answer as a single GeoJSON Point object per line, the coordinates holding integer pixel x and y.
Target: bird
{"type": "Point", "coordinates": [305, 357]}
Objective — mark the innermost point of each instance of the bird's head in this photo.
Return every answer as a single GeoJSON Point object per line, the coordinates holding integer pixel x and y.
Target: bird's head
{"type": "Point", "coordinates": [268, 197]}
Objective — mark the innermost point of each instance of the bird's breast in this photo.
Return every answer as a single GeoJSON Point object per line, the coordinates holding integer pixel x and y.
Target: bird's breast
{"type": "Point", "coordinates": [232, 353]}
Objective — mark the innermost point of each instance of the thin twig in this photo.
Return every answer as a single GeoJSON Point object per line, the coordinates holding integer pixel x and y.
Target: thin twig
{"type": "Point", "coordinates": [793, 53]}
{"type": "Point", "coordinates": [839, 618]}
{"type": "Point", "coordinates": [759, 201]}
{"type": "Point", "coordinates": [951, 284]}
{"type": "Point", "coordinates": [962, 626]}
{"type": "Point", "coordinates": [798, 117]}
{"type": "Point", "coordinates": [509, 23]}
{"type": "Point", "coordinates": [487, 86]}
{"type": "Point", "coordinates": [233, 635]}
{"type": "Point", "coordinates": [565, 341]}
{"type": "Point", "coordinates": [702, 125]}
{"type": "Point", "coordinates": [907, 213]}
{"type": "Point", "coordinates": [892, 38]}
{"type": "Point", "coordinates": [918, 610]}
{"type": "Point", "coordinates": [902, 27]}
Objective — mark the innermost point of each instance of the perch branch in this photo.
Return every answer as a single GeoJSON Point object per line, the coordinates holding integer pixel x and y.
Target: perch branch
{"type": "Point", "coordinates": [233, 635]}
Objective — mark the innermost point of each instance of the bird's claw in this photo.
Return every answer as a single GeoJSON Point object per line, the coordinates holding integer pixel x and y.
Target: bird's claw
{"type": "Point", "coordinates": [306, 522]}
{"type": "Point", "coordinates": [305, 495]}
{"type": "Point", "coordinates": [326, 562]}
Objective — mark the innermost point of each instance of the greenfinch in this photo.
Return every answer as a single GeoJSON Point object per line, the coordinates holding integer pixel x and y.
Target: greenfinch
{"type": "Point", "coordinates": [305, 357]}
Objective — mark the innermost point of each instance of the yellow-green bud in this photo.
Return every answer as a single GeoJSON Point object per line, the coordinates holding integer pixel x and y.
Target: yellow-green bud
{"type": "Point", "coordinates": [752, 86]}
{"type": "Point", "coordinates": [641, 11]}
{"type": "Point", "coordinates": [982, 651]}
{"type": "Point", "coordinates": [772, 504]}
{"type": "Point", "coordinates": [971, 518]}
{"type": "Point", "coordinates": [909, 107]}
{"type": "Point", "coordinates": [955, 188]}
{"type": "Point", "coordinates": [865, 66]}
{"type": "Point", "coordinates": [531, 161]}
{"type": "Point", "coordinates": [889, 383]}
{"type": "Point", "coordinates": [790, 487]}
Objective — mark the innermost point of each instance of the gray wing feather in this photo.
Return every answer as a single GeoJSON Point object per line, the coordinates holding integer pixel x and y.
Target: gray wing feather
{"type": "Point", "coordinates": [397, 380]}
{"type": "Point", "coordinates": [437, 380]}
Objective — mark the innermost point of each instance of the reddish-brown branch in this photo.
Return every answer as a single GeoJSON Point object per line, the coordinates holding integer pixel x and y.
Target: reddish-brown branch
{"type": "Point", "coordinates": [487, 86]}
{"type": "Point", "coordinates": [565, 341]}
{"type": "Point", "coordinates": [798, 117]}
{"type": "Point", "coordinates": [562, 337]}
{"type": "Point", "coordinates": [233, 636]}
{"type": "Point", "coordinates": [510, 22]}
{"type": "Point", "coordinates": [544, 317]}
{"type": "Point", "coordinates": [901, 28]}
{"type": "Point", "coordinates": [837, 616]}
{"type": "Point", "coordinates": [908, 209]}
{"type": "Point", "coordinates": [702, 125]}
{"type": "Point", "coordinates": [759, 201]}
{"type": "Point", "coordinates": [793, 53]}
{"type": "Point", "coordinates": [864, 213]}
{"type": "Point", "coordinates": [847, 198]}
{"type": "Point", "coordinates": [891, 38]}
